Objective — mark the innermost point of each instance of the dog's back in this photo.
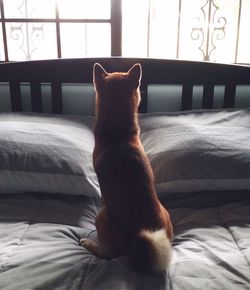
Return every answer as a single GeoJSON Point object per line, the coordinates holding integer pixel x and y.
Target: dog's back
{"type": "Point", "coordinates": [125, 174]}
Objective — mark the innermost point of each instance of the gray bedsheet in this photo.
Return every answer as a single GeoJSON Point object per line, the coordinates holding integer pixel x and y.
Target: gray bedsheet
{"type": "Point", "coordinates": [39, 247]}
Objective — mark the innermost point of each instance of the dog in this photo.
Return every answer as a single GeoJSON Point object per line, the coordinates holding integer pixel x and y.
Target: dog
{"type": "Point", "coordinates": [132, 222]}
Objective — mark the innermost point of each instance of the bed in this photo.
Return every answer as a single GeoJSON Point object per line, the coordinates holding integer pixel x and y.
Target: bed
{"type": "Point", "coordinates": [195, 127]}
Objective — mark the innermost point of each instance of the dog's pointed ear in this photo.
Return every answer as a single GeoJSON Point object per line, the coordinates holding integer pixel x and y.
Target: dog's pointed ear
{"type": "Point", "coordinates": [99, 73]}
{"type": "Point", "coordinates": [135, 74]}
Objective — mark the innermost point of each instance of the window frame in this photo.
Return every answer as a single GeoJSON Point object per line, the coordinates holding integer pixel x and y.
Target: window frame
{"type": "Point", "coordinates": [115, 22]}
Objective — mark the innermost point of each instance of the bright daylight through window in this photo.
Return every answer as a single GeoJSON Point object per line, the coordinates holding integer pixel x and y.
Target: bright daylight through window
{"type": "Point", "coordinates": [211, 30]}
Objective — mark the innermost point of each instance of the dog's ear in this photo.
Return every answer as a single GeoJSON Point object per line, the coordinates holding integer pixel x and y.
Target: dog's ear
{"type": "Point", "coordinates": [134, 75]}
{"type": "Point", "coordinates": [99, 74]}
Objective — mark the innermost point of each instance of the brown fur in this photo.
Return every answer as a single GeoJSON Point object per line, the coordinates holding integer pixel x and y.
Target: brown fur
{"type": "Point", "coordinates": [124, 173]}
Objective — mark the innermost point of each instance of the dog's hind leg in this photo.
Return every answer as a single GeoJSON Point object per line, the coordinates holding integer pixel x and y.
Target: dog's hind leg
{"type": "Point", "coordinates": [111, 239]}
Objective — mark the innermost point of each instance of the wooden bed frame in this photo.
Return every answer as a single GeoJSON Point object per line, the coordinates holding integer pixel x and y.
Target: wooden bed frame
{"type": "Point", "coordinates": [155, 71]}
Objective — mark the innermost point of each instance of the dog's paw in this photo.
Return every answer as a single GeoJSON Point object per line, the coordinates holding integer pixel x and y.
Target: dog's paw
{"type": "Point", "coordinates": [83, 242]}
{"type": "Point", "coordinates": [87, 244]}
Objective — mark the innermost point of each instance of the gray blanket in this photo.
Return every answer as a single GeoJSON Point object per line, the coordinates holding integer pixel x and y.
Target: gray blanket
{"type": "Point", "coordinates": [201, 163]}
{"type": "Point", "coordinates": [39, 238]}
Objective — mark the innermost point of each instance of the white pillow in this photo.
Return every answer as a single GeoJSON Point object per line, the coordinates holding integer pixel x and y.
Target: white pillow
{"type": "Point", "coordinates": [197, 151]}
{"type": "Point", "coordinates": [47, 153]}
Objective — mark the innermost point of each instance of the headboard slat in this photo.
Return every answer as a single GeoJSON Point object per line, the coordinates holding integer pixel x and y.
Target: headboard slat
{"type": "Point", "coordinates": [187, 93]}
{"type": "Point", "coordinates": [15, 95]}
{"type": "Point", "coordinates": [57, 102]}
{"type": "Point", "coordinates": [229, 95]}
{"type": "Point", "coordinates": [208, 96]}
{"type": "Point", "coordinates": [143, 108]}
{"type": "Point", "coordinates": [36, 97]}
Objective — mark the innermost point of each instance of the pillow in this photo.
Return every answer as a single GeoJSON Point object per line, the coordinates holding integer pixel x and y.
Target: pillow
{"type": "Point", "coordinates": [47, 153]}
{"type": "Point", "coordinates": [198, 150]}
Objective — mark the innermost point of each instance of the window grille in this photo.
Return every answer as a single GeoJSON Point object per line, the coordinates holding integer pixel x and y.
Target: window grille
{"type": "Point", "coordinates": [38, 29]}
{"type": "Point", "coordinates": [210, 30]}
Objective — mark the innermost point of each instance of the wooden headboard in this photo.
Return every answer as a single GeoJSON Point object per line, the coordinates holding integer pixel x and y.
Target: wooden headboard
{"type": "Point", "coordinates": [192, 78]}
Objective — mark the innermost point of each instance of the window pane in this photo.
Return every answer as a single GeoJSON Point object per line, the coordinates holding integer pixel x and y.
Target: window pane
{"type": "Point", "coordinates": [84, 9]}
{"type": "Point", "coordinates": [79, 40]}
{"type": "Point", "coordinates": [223, 31]}
{"type": "Point", "coordinates": [244, 43]}
{"type": "Point", "coordinates": [135, 28]}
{"type": "Point", "coordinates": [31, 41]}
{"type": "Point", "coordinates": [163, 28]}
{"type": "Point", "coordinates": [192, 33]}
{"type": "Point", "coordinates": [29, 8]}
{"type": "Point", "coordinates": [208, 30]}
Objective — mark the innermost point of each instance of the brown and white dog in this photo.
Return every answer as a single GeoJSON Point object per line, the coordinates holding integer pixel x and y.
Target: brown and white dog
{"type": "Point", "coordinates": [133, 222]}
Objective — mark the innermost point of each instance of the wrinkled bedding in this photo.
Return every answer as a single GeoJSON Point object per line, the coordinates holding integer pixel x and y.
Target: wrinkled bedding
{"type": "Point", "coordinates": [201, 165]}
{"type": "Point", "coordinates": [39, 244]}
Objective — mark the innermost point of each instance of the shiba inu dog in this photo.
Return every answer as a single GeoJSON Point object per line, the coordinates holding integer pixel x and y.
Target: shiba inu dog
{"type": "Point", "coordinates": [132, 222]}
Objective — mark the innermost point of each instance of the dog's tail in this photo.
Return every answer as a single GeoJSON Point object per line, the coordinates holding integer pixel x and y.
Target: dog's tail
{"type": "Point", "coordinates": [152, 251]}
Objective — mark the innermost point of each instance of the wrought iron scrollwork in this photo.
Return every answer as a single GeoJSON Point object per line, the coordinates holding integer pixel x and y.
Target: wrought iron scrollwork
{"type": "Point", "coordinates": [208, 29]}
{"type": "Point", "coordinates": [27, 33]}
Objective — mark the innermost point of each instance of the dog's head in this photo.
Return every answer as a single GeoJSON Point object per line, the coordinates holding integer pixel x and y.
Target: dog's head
{"type": "Point", "coordinates": [118, 88]}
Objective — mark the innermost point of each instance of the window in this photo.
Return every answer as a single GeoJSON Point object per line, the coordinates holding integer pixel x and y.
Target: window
{"type": "Point", "coordinates": [40, 29]}
{"type": "Point", "coordinates": [211, 30]}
